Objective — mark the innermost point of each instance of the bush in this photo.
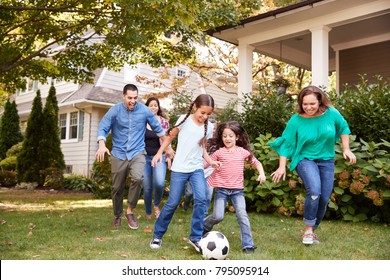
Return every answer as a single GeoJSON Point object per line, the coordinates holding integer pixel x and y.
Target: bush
{"type": "Point", "coordinates": [366, 109]}
{"type": "Point", "coordinates": [361, 191]}
{"type": "Point", "coordinates": [266, 112]}
{"type": "Point", "coordinates": [8, 163]}
{"type": "Point", "coordinates": [52, 178]}
{"type": "Point", "coordinates": [101, 174]}
{"type": "Point", "coordinates": [8, 178]}
{"type": "Point", "coordinates": [79, 183]}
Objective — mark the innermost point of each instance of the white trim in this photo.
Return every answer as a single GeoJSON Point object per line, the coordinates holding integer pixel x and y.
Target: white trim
{"type": "Point", "coordinates": [362, 42]}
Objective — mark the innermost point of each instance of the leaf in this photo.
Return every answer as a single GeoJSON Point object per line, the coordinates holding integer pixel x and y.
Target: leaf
{"type": "Point", "coordinates": [386, 194]}
{"type": "Point", "coordinates": [8, 243]}
{"type": "Point", "coordinates": [275, 201]}
{"type": "Point", "coordinates": [339, 190]}
{"type": "Point", "coordinates": [148, 229]}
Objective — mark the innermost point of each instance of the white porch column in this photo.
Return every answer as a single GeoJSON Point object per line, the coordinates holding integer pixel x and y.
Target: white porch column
{"type": "Point", "coordinates": [245, 61]}
{"type": "Point", "coordinates": [320, 56]}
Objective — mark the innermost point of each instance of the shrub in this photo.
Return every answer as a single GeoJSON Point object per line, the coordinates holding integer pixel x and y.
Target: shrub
{"type": "Point", "coordinates": [266, 112]}
{"type": "Point", "coordinates": [8, 163]}
{"type": "Point", "coordinates": [8, 178]}
{"type": "Point", "coordinates": [366, 109]}
{"type": "Point", "coordinates": [52, 178]}
{"type": "Point", "coordinates": [101, 174]}
{"type": "Point", "coordinates": [79, 183]}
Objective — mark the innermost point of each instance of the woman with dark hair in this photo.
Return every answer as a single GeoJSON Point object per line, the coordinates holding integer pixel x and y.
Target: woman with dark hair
{"type": "Point", "coordinates": [154, 177]}
{"type": "Point", "coordinates": [309, 142]}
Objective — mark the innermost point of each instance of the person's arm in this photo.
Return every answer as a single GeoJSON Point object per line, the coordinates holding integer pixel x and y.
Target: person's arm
{"type": "Point", "coordinates": [209, 160]}
{"type": "Point", "coordinates": [167, 141]}
{"type": "Point", "coordinates": [261, 178]}
{"type": "Point", "coordinates": [281, 171]}
{"type": "Point", "coordinates": [346, 150]}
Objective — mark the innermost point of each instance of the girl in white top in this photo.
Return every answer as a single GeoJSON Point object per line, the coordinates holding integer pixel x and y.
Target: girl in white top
{"type": "Point", "coordinates": [192, 130]}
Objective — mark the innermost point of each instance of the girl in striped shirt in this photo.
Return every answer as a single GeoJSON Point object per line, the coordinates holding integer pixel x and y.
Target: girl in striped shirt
{"type": "Point", "coordinates": [234, 149]}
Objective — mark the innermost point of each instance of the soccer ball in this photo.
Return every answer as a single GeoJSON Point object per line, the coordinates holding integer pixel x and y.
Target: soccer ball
{"type": "Point", "coordinates": [214, 246]}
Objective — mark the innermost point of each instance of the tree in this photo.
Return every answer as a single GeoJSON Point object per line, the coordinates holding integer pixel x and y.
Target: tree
{"type": "Point", "coordinates": [69, 39]}
{"type": "Point", "coordinates": [28, 161]}
{"type": "Point", "coordinates": [10, 133]}
{"type": "Point", "coordinates": [50, 145]}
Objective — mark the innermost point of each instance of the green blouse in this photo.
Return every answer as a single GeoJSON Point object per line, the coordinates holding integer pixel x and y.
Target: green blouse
{"type": "Point", "coordinates": [311, 138]}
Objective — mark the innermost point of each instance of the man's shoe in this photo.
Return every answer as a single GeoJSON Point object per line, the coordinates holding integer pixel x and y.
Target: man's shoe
{"type": "Point", "coordinates": [249, 250]}
{"type": "Point", "coordinates": [195, 244]}
{"type": "Point", "coordinates": [132, 221]}
{"type": "Point", "coordinates": [155, 243]}
{"type": "Point", "coordinates": [116, 222]}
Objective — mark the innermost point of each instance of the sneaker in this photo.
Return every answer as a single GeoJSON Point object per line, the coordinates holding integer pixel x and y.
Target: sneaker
{"type": "Point", "coordinates": [249, 250]}
{"type": "Point", "coordinates": [316, 241]}
{"type": "Point", "coordinates": [132, 221]}
{"type": "Point", "coordinates": [195, 244]}
{"type": "Point", "coordinates": [155, 243]}
{"type": "Point", "coordinates": [117, 221]}
{"type": "Point", "coordinates": [307, 238]}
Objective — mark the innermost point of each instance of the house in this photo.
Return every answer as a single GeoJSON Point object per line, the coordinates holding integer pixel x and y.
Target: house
{"type": "Point", "coordinates": [322, 36]}
{"type": "Point", "coordinates": [81, 107]}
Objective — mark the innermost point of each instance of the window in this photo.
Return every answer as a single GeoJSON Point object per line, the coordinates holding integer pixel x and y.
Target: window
{"type": "Point", "coordinates": [71, 125]}
{"type": "Point", "coordinates": [180, 73]}
{"type": "Point", "coordinates": [31, 86]}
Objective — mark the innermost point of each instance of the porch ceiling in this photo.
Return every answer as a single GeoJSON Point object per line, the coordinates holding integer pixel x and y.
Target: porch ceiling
{"type": "Point", "coordinates": [285, 34]}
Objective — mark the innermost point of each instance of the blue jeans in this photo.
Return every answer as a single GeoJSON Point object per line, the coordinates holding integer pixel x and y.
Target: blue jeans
{"type": "Point", "coordinates": [317, 177]}
{"type": "Point", "coordinates": [188, 197]}
{"type": "Point", "coordinates": [237, 197]}
{"type": "Point", "coordinates": [178, 182]}
{"type": "Point", "coordinates": [154, 179]}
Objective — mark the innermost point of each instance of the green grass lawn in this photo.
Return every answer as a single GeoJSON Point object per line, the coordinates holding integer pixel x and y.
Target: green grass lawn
{"type": "Point", "coordinates": [42, 225]}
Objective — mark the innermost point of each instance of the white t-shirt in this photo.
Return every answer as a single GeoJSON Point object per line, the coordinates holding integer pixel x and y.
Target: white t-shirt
{"type": "Point", "coordinates": [189, 155]}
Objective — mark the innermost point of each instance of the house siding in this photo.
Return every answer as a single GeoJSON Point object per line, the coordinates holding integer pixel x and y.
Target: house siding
{"type": "Point", "coordinates": [370, 60]}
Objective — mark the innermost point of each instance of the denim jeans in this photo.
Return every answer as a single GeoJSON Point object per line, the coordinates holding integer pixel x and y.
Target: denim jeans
{"type": "Point", "coordinates": [188, 197]}
{"type": "Point", "coordinates": [177, 185]}
{"type": "Point", "coordinates": [237, 197]}
{"type": "Point", "coordinates": [317, 177]}
{"type": "Point", "coordinates": [154, 179]}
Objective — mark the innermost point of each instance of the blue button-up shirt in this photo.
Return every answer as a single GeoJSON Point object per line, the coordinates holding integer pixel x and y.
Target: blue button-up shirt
{"type": "Point", "coordinates": [128, 129]}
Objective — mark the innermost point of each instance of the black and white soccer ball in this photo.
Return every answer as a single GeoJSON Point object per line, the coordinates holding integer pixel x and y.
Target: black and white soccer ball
{"type": "Point", "coordinates": [214, 246]}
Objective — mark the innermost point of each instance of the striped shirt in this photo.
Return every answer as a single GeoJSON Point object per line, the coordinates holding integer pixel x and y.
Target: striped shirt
{"type": "Point", "coordinates": [231, 174]}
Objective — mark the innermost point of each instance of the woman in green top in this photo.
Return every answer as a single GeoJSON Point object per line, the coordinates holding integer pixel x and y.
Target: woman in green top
{"type": "Point", "coordinates": [308, 141]}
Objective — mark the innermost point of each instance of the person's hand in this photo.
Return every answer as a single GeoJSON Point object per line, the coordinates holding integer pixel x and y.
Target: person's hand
{"type": "Point", "coordinates": [100, 153]}
{"type": "Point", "coordinates": [261, 178]}
{"type": "Point", "coordinates": [169, 152]}
{"type": "Point", "coordinates": [169, 162]}
{"type": "Point", "coordinates": [156, 159]}
{"type": "Point", "coordinates": [347, 154]}
{"type": "Point", "coordinates": [278, 174]}
{"type": "Point", "coordinates": [216, 164]}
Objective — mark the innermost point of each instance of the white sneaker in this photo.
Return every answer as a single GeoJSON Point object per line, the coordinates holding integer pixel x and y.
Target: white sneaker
{"type": "Point", "coordinates": [316, 241]}
{"type": "Point", "coordinates": [308, 238]}
{"type": "Point", "coordinates": [155, 243]}
{"type": "Point", "coordinates": [195, 244]}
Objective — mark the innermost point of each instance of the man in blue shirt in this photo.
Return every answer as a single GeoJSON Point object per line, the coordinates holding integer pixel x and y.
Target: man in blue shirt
{"type": "Point", "coordinates": [127, 122]}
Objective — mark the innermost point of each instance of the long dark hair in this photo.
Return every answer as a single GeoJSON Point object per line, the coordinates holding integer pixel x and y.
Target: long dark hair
{"type": "Point", "coordinates": [200, 100]}
{"type": "Point", "coordinates": [325, 103]}
{"type": "Point", "coordinates": [239, 131]}
{"type": "Point", "coordinates": [150, 99]}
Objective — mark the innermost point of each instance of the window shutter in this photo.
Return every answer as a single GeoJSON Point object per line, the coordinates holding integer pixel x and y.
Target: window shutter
{"type": "Point", "coordinates": [81, 125]}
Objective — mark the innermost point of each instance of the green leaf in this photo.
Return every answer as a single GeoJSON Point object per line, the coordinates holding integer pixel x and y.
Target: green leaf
{"type": "Point", "coordinates": [386, 194]}
{"type": "Point", "coordinates": [275, 201]}
{"type": "Point", "coordinates": [338, 190]}
{"type": "Point", "coordinates": [346, 198]}
{"type": "Point", "coordinates": [360, 217]}
{"type": "Point", "coordinates": [277, 192]}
